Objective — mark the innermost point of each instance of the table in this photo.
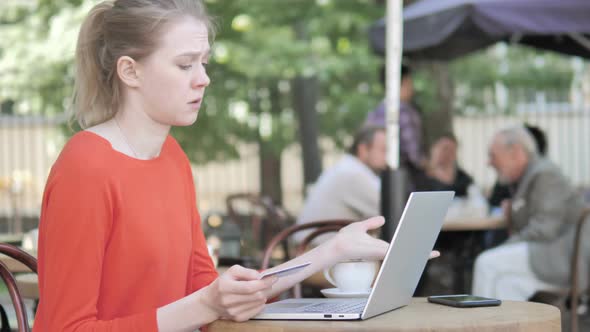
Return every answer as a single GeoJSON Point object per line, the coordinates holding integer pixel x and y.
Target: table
{"type": "Point", "coordinates": [451, 225]}
{"type": "Point", "coordinates": [222, 269]}
{"type": "Point", "coordinates": [14, 265]}
{"type": "Point", "coordinates": [28, 285]}
{"type": "Point", "coordinates": [470, 233]}
{"type": "Point", "coordinates": [421, 316]}
{"type": "Point", "coordinates": [475, 224]}
{"type": "Point", "coordinates": [12, 238]}
{"type": "Point", "coordinates": [27, 282]}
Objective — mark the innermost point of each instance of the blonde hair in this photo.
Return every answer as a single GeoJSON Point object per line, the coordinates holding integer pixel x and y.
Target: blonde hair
{"type": "Point", "coordinates": [119, 28]}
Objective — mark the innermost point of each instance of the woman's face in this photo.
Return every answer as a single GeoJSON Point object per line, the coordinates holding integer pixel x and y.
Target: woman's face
{"type": "Point", "coordinates": [173, 78]}
{"type": "Point", "coordinates": [444, 152]}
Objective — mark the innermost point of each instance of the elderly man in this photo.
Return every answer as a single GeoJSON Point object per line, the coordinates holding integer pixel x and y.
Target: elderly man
{"type": "Point", "coordinates": [351, 188]}
{"type": "Point", "coordinates": [544, 210]}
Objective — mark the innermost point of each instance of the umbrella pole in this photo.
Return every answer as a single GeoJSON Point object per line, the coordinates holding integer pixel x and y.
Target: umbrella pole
{"type": "Point", "coordinates": [393, 185]}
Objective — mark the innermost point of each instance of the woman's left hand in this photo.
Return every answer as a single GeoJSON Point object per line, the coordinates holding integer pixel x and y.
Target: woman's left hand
{"type": "Point", "coordinates": [353, 242]}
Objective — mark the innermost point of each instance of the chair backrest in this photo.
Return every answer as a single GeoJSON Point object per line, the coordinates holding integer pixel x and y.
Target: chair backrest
{"type": "Point", "coordinates": [258, 217]}
{"type": "Point", "coordinates": [574, 290]}
{"type": "Point", "coordinates": [17, 300]}
{"type": "Point", "coordinates": [319, 227]}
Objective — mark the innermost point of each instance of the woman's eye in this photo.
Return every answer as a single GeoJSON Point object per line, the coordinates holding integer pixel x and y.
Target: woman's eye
{"type": "Point", "coordinates": [185, 67]}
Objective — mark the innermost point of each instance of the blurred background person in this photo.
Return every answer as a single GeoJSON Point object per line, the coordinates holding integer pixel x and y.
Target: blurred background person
{"type": "Point", "coordinates": [446, 174]}
{"type": "Point", "coordinates": [411, 150]}
{"type": "Point", "coordinates": [544, 211]}
{"type": "Point", "coordinates": [501, 194]}
{"type": "Point", "coordinates": [351, 188]}
{"type": "Point", "coordinates": [501, 191]}
{"type": "Point", "coordinates": [442, 165]}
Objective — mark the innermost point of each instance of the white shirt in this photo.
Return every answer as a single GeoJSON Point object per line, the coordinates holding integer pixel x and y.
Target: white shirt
{"type": "Point", "coordinates": [349, 190]}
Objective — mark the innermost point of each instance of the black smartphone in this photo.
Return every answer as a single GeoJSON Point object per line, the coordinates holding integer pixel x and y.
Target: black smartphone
{"type": "Point", "coordinates": [464, 301]}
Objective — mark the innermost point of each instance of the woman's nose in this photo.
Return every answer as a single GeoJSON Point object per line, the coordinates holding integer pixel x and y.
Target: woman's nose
{"type": "Point", "coordinates": [201, 79]}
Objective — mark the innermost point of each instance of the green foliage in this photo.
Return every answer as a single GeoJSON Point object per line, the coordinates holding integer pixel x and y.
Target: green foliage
{"type": "Point", "coordinates": [521, 70]}
{"type": "Point", "coordinates": [260, 47]}
{"type": "Point", "coordinates": [36, 56]}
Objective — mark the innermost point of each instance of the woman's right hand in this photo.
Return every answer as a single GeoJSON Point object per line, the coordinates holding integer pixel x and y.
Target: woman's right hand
{"type": "Point", "coordinates": [237, 294]}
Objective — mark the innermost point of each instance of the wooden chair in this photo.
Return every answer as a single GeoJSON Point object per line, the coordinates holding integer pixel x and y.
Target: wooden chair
{"type": "Point", "coordinates": [559, 298]}
{"type": "Point", "coordinates": [319, 227]}
{"type": "Point", "coordinates": [258, 217]}
{"type": "Point", "coordinates": [9, 279]}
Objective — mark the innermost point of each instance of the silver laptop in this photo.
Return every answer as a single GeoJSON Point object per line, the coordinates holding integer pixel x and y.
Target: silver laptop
{"type": "Point", "coordinates": [398, 277]}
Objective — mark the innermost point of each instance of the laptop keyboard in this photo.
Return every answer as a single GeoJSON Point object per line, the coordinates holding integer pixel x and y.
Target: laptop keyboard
{"type": "Point", "coordinates": [336, 307]}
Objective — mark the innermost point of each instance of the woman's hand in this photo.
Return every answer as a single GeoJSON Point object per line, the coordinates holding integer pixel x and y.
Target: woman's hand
{"type": "Point", "coordinates": [353, 242]}
{"type": "Point", "coordinates": [237, 294]}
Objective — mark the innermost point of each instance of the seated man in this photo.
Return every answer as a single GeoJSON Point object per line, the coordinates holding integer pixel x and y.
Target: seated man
{"type": "Point", "coordinates": [351, 188]}
{"type": "Point", "coordinates": [544, 211]}
{"type": "Point", "coordinates": [501, 192]}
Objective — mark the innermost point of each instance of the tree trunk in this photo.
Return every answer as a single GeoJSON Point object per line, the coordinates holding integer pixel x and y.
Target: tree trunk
{"type": "Point", "coordinates": [440, 120]}
{"type": "Point", "coordinates": [270, 155]}
{"type": "Point", "coordinates": [270, 172]}
{"type": "Point", "coordinates": [304, 95]}
{"type": "Point", "coordinates": [304, 102]}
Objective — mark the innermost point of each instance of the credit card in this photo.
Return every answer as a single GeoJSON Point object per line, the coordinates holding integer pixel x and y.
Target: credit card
{"type": "Point", "coordinates": [284, 272]}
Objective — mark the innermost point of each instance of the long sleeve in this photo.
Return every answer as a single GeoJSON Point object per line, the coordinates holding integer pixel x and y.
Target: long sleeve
{"type": "Point", "coordinates": [548, 203]}
{"type": "Point", "coordinates": [410, 135]}
{"type": "Point", "coordinates": [76, 221]}
{"type": "Point", "coordinates": [202, 271]}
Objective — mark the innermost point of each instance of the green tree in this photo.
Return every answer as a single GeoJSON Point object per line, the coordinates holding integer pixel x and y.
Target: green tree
{"type": "Point", "coordinates": [460, 86]}
{"type": "Point", "coordinates": [36, 54]}
{"type": "Point", "coordinates": [257, 58]}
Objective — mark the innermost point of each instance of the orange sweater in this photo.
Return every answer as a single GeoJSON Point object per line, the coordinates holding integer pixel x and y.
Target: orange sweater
{"type": "Point", "coordinates": [118, 238]}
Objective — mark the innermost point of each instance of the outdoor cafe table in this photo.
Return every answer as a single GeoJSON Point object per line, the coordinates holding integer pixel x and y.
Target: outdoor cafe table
{"type": "Point", "coordinates": [14, 239]}
{"type": "Point", "coordinates": [28, 283]}
{"type": "Point", "coordinates": [470, 232]}
{"type": "Point", "coordinates": [474, 224]}
{"type": "Point", "coordinates": [421, 316]}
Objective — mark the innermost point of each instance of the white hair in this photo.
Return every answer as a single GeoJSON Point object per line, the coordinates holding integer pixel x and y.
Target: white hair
{"type": "Point", "coordinates": [518, 135]}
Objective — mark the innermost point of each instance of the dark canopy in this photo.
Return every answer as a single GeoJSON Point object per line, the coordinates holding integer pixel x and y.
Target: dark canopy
{"type": "Point", "coordinates": [446, 29]}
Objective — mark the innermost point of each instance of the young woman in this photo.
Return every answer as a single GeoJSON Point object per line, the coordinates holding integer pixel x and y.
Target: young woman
{"type": "Point", "coordinates": [121, 247]}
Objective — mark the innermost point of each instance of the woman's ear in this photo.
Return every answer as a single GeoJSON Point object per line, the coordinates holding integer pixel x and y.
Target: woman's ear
{"type": "Point", "coordinates": [127, 69]}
